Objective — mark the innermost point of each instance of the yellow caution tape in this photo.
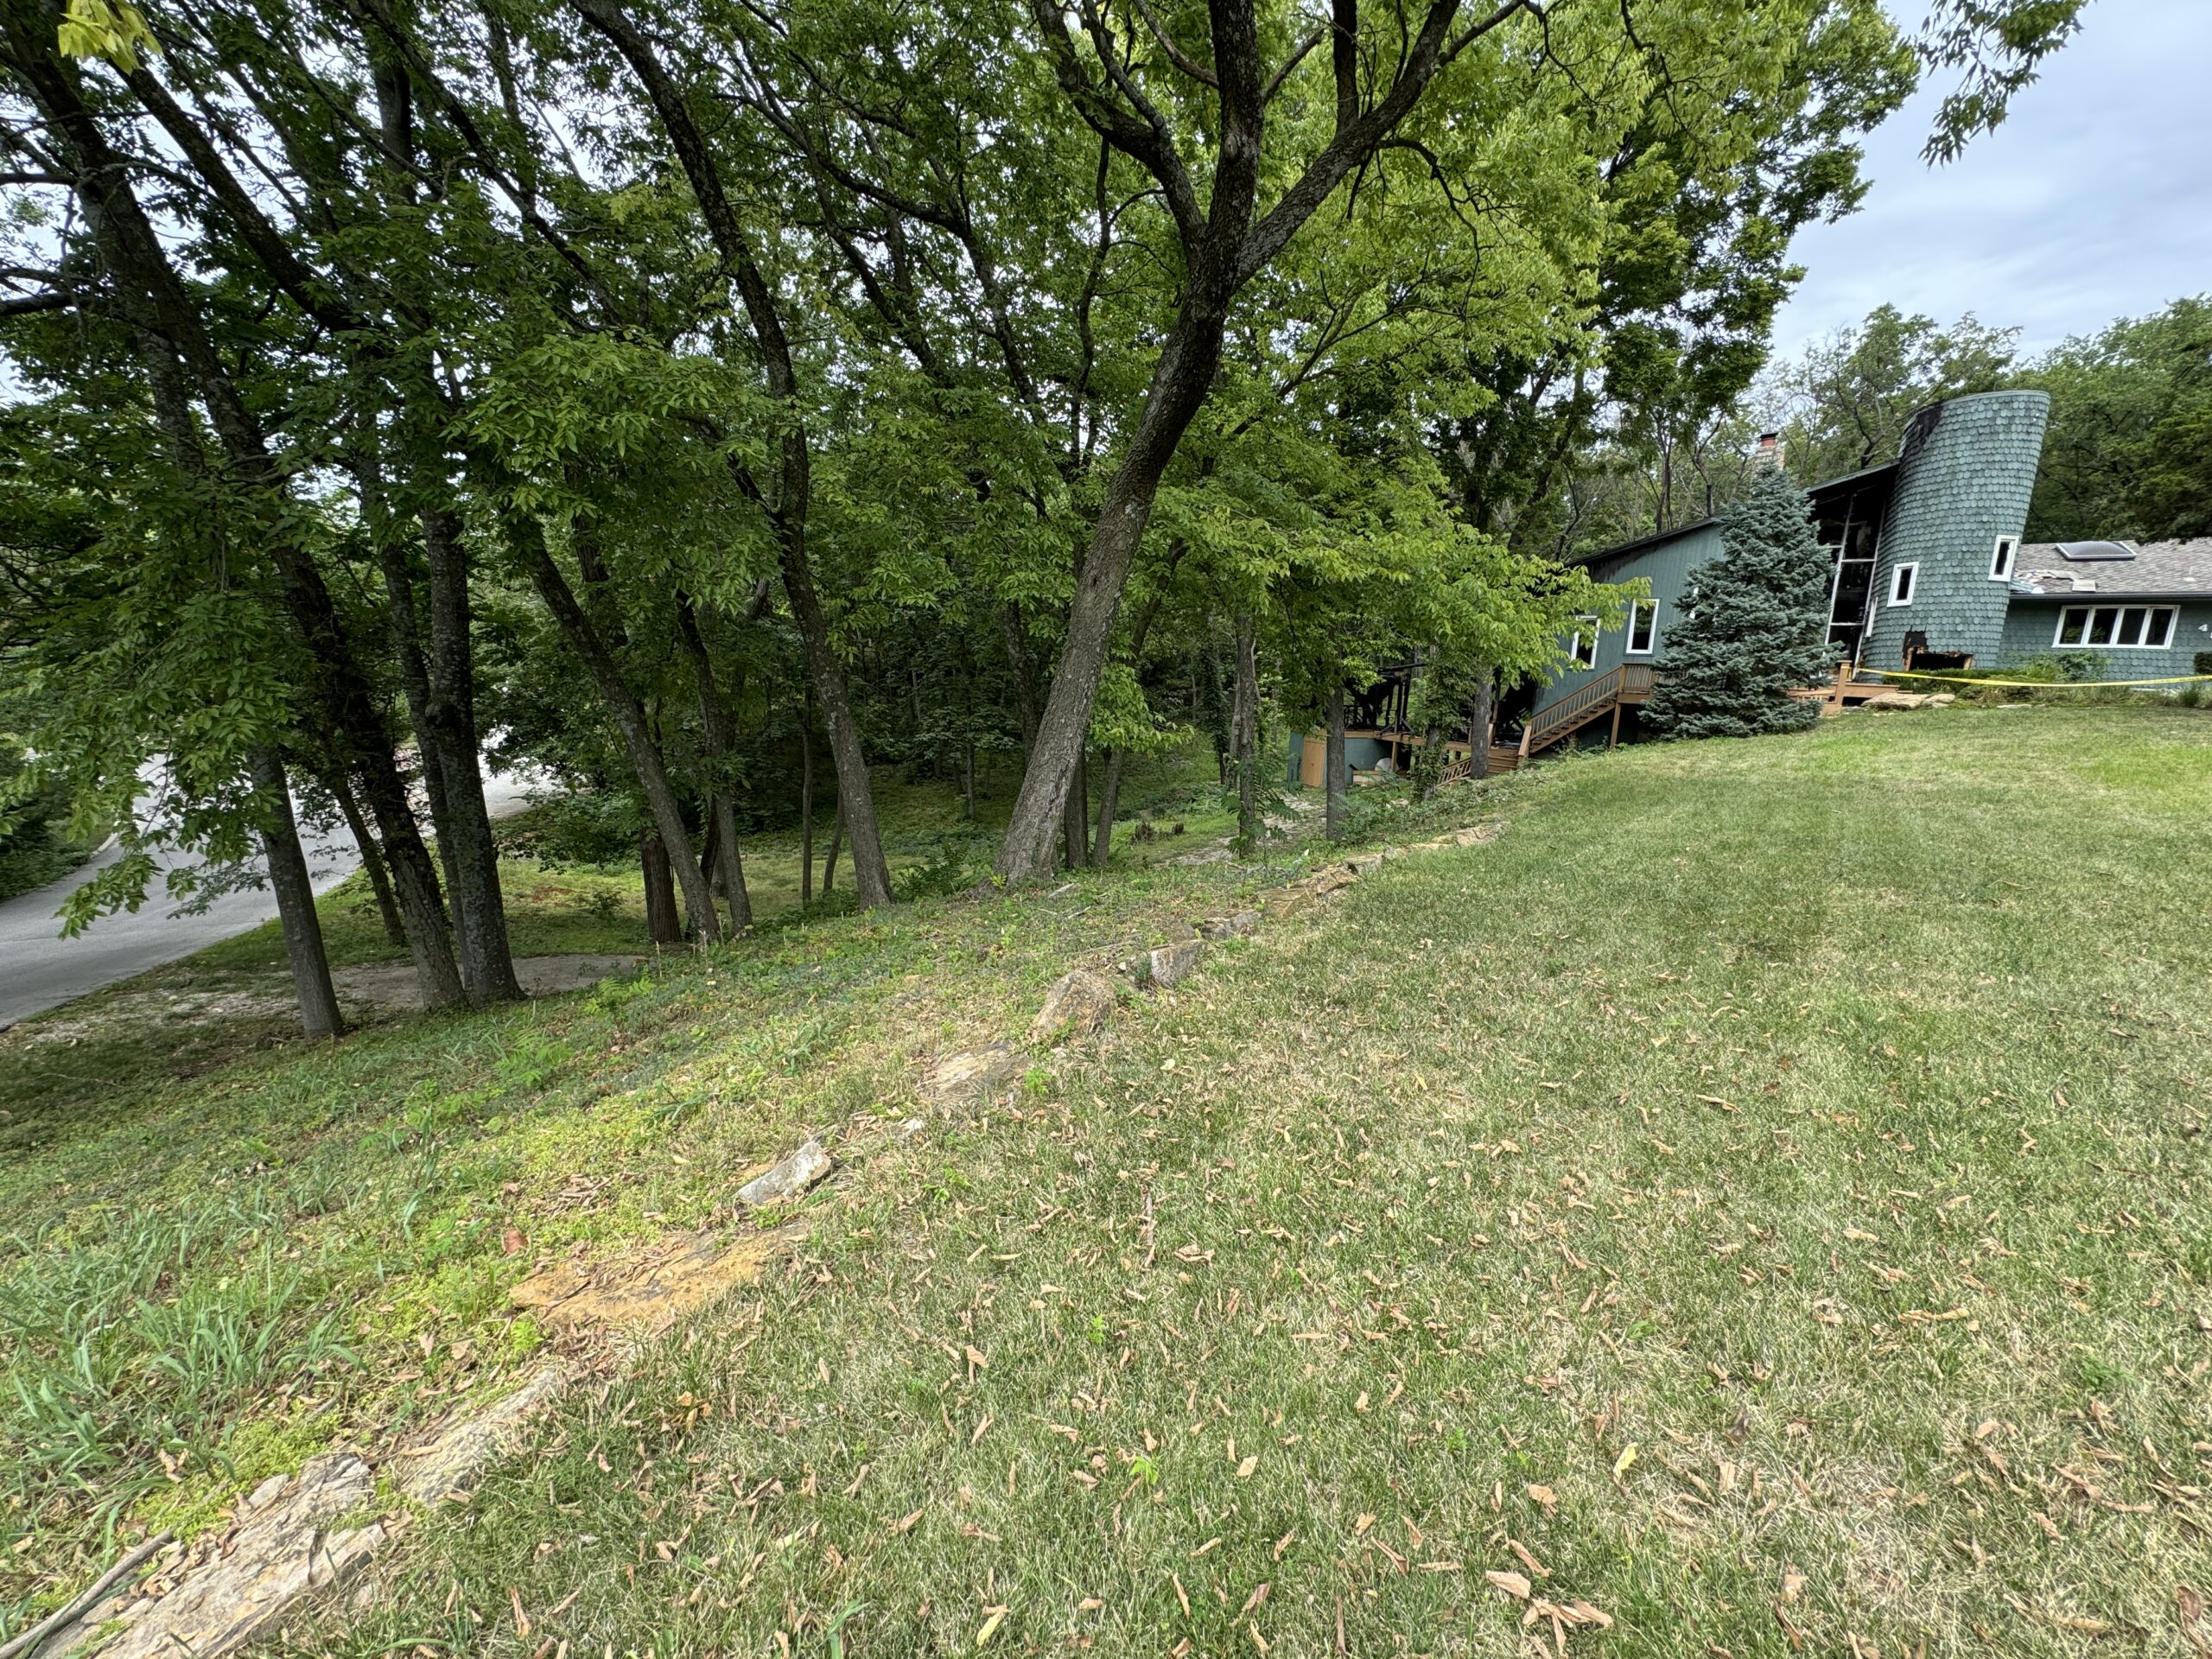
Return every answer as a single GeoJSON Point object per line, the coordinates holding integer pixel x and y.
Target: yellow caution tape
{"type": "Point", "coordinates": [2025, 685]}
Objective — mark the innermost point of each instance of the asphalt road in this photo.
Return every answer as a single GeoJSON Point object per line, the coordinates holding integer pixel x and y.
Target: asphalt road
{"type": "Point", "coordinates": [40, 969]}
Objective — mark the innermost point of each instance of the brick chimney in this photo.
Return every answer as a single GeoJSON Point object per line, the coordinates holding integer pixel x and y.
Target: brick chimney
{"type": "Point", "coordinates": [1767, 452]}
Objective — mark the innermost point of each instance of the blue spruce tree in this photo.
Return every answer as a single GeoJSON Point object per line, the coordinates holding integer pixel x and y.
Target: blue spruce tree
{"type": "Point", "coordinates": [1757, 627]}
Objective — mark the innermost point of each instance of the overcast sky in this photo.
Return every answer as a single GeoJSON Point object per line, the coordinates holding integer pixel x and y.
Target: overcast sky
{"type": "Point", "coordinates": [2092, 201]}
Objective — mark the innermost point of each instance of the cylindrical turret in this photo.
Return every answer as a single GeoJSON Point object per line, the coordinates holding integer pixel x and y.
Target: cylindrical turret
{"type": "Point", "coordinates": [1965, 473]}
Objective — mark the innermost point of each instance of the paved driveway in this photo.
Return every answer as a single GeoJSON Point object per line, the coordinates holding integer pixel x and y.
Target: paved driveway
{"type": "Point", "coordinates": [40, 969]}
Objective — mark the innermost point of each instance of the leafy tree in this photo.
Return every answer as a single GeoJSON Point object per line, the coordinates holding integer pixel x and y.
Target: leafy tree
{"type": "Point", "coordinates": [2129, 450]}
{"type": "Point", "coordinates": [1843, 404]}
{"type": "Point", "coordinates": [1757, 624]}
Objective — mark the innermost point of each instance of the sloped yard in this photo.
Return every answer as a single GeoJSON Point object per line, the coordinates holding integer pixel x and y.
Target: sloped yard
{"type": "Point", "coordinates": [1754, 1205]}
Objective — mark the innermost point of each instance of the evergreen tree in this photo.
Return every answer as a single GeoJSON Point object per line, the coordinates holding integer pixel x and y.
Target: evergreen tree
{"type": "Point", "coordinates": [1757, 625]}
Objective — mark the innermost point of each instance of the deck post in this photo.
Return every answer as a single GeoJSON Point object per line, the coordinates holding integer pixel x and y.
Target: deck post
{"type": "Point", "coordinates": [1616, 741]}
{"type": "Point", "coordinates": [1842, 679]}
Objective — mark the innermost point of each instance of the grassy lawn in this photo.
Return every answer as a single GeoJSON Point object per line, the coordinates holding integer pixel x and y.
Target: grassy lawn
{"type": "Point", "coordinates": [1759, 1199]}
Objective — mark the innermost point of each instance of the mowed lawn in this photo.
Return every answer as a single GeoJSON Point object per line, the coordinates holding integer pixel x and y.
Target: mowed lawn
{"type": "Point", "coordinates": [1755, 1205]}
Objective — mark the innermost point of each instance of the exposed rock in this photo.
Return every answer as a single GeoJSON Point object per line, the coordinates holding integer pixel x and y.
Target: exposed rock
{"type": "Point", "coordinates": [788, 1179]}
{"type": "Point", "coordinates": [556, 1284]}
{"type": "Point", "coordinates": [281, 1547]}
{"type": "Point", "coordinates": [1076, 1005]}
{"type": "Point", "coordinates": [1211, 856]}
{"type": "Point", "coordinates": [1292, 896]}
{"type": "Point", "coordinates": [1894, 700]}
{"type": "Point", "coordinates": [973, 1072]}
{"type": "Point", "coordinates": [452, 1464]}
{"type": "Point", "coordinates": [1229, 927]}
{"type": "Point", "coordinates": [679, 1276]}
{"type": "Point", "coordinates": [1942, 699]}
{"type": "Point", "coordinates": [1171, 965]}
{"type": "Point", "coordinates": [1362, 863]}
{"type": "Point", "coordinates": [391, 985]}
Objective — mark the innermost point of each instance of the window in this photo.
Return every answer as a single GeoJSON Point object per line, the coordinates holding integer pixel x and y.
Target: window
{"type": "Point", "coordinates": [2000, 561]}
{"type": "Point", "coordinates": [1584, 646]}
{"type": "Point", "coordinates": [2117, 627]}
{"type": "Point", "coordinates": [1643, 627]}
{"type": "Point", "coordinates": [1902, 580]}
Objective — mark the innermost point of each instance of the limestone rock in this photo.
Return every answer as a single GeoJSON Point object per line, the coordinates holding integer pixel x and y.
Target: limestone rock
{"type": "Point", "coordinates": [788, 1179]}
{"type": "Point", "coordinates": [1894, 700]}
{"type": "Point", "coordinates": [282, 1546]}
{"type": "Point", "coordinates": [1076, 1005]}
{"type": "Point", "coordinates": [974, 1072]}
{"type": "Point", "coordinates": [1229, 927]}
{"type": "Point", "coordinates": [1942, 699]}
{"type": "Point", "coordinates": [455, 1460]}
{"type": "Point", "coordinates": [1363, 863]}
{"type": "Point", "coordinates": [1211, 856]}
{"type": "Point", "coordinates": [679, 1276]}
{"type": "Point", "coordinates": [1171, 965]}
{"type": "Point", "coordinates": [1293, 895]}
{"type": "Point", "coordinates": [556, 1284]}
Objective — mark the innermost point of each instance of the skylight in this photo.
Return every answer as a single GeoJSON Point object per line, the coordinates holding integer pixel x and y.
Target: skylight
{"type": "Point", "coordinates": [2094, 552]}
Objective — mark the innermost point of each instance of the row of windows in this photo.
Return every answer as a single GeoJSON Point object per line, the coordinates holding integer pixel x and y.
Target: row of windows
{"type": "Point", "coordinates": [2148, 627]}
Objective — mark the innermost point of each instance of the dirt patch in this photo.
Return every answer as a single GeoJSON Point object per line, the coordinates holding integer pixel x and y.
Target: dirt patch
{"type": "Point", "coordinates": [389, 987]}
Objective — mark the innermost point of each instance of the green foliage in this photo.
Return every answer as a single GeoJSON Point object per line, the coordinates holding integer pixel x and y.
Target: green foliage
{"type": "Point", "coordinates": [2129, 450]}
{"type": "Point", "coordinates": [1845, 402]}
{"type": "Point", "coordinates": [1757, 625]}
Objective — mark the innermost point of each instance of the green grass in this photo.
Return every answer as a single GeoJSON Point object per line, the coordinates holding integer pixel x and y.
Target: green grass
{"type": "Point", "coordinates": [1765, 1184]}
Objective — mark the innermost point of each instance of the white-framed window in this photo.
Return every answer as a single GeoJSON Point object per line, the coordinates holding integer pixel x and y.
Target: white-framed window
{"type": "Point", "coordinates": [1643, 627]}
{"type": "Point", "coordinates": [1903, 580]}
{"type": "Point", "coordinates": [2116, 628]}
{"type": "Point", "coordinates": [1584, 646]}
{"type": "Point", "coordinates": [2001, 561]}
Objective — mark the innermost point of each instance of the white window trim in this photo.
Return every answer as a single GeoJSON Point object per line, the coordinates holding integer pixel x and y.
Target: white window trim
{"type": "Point", "coordinates": [1637, 607]}
{"type": "Point", "coordinates": [2173, 626]}
{"type": "Point", "coordinates": [1589, 631]}
{"type": "Point", "coordinates": [2002, 558]}
{"type": "Point", "coordinates": [1912, 587]}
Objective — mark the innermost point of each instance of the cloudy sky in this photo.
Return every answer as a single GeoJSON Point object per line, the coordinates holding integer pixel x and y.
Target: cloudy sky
{"type": "Point", "coordinates": [2092, 201]}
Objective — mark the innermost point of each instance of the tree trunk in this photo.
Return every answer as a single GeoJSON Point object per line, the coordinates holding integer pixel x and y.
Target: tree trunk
{"type": "Point", "coordinates": [969, 779]}
{"type": "Point", "coordinates": [1109, 798]}
{"type": "Point", "coordinates": [830, 863]}
{"type": "Point", "coordinates": [289, 879]}
{"type": "Point", "coordinates": [1075, 818]}
{"type": "Point", "coordinates": [395, 930]}
{"type": "Point", "coordinates": [1180, 383]}
{"type": "Point", "coordinates": [155, 300]}
{"type": "Point", "coordinates": [787, 511]}
{"type": "Point", "coordinates": [465, 839]}
{"type": "Point", "coordinates": [718, 739]}
{"type": "Point", "coordinates": [1479, 723]}
{"type": "Point", "coordinates": [1022, 667]}
{"type": "Point", "coordinates": [806, 804]}
{"type": "Point", "coordinates": [855, 796]}
{"type": "Point", "coordinates": [661, 925]}
{"type": "Point", "coordinates": [1246, 737]}
{"type": "Point", "coordinates": [407, 648]}
{"type": "Point", "coordinates": [1332, 763]}
{"type": "Point", "coordinates": [629, 718]}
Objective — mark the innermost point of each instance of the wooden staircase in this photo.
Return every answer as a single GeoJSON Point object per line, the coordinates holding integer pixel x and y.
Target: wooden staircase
{"type": "Point", "coordinates": [1608, 694]}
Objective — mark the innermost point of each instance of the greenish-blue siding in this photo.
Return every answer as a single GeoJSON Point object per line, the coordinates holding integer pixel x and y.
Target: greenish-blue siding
{"type": "Point", "coordinates": [2033, 625]}
{"type": "Point", "coordinates": [1669, 566]}
{"type": "Point", "coordinates": [1964, 479]}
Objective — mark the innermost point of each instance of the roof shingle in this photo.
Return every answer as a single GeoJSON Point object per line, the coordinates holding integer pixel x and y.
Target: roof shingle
{"type": "Point", "coordinates": [2158, 570]}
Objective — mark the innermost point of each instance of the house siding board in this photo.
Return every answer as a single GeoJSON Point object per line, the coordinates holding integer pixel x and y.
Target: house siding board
{"type": "Point", "coordinates": [2032, 623]}
{"type": "Point", "coordinates": [1669, 568]}
{"type": "Point", "coordinates": [1964, 479]}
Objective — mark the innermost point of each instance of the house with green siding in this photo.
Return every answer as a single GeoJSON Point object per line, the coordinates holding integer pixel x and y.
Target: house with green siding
{"type": "Point", "coordinates": [1930, 572]}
